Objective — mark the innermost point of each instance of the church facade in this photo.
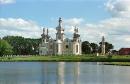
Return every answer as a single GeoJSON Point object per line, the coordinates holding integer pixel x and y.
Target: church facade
{"type": "Point", "coordinates": [60, 45]}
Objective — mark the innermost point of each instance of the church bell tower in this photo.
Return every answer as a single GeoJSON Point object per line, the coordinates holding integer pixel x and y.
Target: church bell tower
{"type": "Point", "coordinates": [60, 31]}
{"type": "Point", "coordinates": [76, 42]}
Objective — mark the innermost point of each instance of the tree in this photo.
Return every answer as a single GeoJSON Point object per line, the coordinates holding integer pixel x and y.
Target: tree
{"type": "Point", "coordinates": [5, 48]}
{"type": "Point", "coordinates": [94, 47]}
{"type": "Point", "coordinates": [108, 47]}
{"type": "Point", "coordinates": [86, 48]}
{"type": "Point", "coordinates": [23, 46]}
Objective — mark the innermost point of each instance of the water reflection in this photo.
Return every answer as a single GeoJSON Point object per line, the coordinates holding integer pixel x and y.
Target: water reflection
{"type": "Point", "coordinates": [76, 72]}
{"type": "Point", "coordinates": [45, 74]}
{"type": "Point", "coordinates": [62, 73]}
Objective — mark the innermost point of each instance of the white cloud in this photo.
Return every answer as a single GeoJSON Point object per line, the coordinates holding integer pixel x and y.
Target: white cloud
{"type": "Point", "coordinates": [127, 39]}
{"type": "Point", "coordinates": [19, 26]}
{"type": "Point", "coordinates": [73, 21]}
{"type": "Point", "coordinates": [119, 7]}
{"type": "Point", "coordinates": [7, 1]}
{"type": "Point", "coordinates": [115, 30]}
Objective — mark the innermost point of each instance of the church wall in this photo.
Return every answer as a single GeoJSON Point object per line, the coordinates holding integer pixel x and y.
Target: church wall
{"type": "Point", "coordinates": [43, 49]}
{"type": "Point", "coordinates": [67, 47]}
{"type": "Point", "coordinates": [76, 48]}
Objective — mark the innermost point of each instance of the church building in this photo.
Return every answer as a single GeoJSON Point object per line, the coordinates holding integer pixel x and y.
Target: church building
{"type": "Point", "coordinates": [60, 45]}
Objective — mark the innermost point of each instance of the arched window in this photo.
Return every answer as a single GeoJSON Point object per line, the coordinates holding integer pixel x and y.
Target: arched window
{"type": "Point", "coordinates": [67, 46]}
{"type": "Point", "coordinates": [76, 48]}
{"type": "Point", "coordinates": [57, 48]}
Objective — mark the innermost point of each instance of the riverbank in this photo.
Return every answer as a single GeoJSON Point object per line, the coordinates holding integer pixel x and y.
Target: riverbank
{"type": "Point", "coordinates": [66, 58]}
{"type": "Point", "coordinates": [117, 63]}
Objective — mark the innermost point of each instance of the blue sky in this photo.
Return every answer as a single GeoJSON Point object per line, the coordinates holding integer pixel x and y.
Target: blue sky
{"type": "Point", "coordinates": [94, 18]}
{"type": "Point", "coordinates": [42, 11]}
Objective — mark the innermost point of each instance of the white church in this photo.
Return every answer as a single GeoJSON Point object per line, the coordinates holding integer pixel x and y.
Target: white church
{"type": "Point", "coordinates": [60, 45]}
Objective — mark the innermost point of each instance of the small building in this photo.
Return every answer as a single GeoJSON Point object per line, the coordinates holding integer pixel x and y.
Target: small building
{"type": "Point", "coordinates": [114, 52]}
{"type": "Point", "coordinates": [124, 51]}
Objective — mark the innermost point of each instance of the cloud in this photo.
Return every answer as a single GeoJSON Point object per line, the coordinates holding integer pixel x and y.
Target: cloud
{"type": "Point", "coordinates": [127, 39]}
{"type": "Point", "coordinates": [20, 27]}
{"type": "Point", "coordinates": [118, 7]}
{"type": "Point", "coordinates": [73, 21]}
{"type": "Point", "coordinates": [116, 31]}
{"type": "Point", "coordinates": [7, 1]}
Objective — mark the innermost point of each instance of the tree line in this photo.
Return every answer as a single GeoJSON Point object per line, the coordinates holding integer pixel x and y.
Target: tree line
{"type": "Point", "coordinates": [17, 45]}
{"type": "Point", "coordinates": [91, 48]}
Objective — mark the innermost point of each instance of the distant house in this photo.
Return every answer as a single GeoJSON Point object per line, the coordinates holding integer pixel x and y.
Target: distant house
{"type": "Point", "coordinates": [124, 51]}
{"type": "Point", "coordinates": [114, 52]}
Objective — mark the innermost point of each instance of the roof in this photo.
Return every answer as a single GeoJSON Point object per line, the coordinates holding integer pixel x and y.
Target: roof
{"type": "Point", "coordinates": [124, 49]}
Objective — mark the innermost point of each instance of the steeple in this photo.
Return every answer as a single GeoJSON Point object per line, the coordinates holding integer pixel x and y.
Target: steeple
{"type": "Point", "coordinates": [103, 46]}
{"type": "Point", "coordinates": [47, 31]}
{"type": "Point", "coordinates": [76, 35]}
{"type": "Point", "coordinates": [76, 30]}
{"type": "Point", "coordinates": [43, 30]}
{"type": "Point", "coordinates": [60, 31]}
{"type": "Point", "coordinates": [103, 39]}
{"type": "Point", "coordinates": [60, 22]}
{"type": "Point", "coordinates": [45, 36]}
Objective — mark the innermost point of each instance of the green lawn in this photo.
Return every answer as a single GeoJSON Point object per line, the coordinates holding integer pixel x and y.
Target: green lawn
{"type": "Point", "coordinates": [68, 58]}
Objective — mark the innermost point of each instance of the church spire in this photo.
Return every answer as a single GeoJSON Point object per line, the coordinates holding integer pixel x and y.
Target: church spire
{"type": "Point", "coordinates": [103, 39]}
{"type": "Point", "coordinates": [76, 35]}
{"type": "Point", "coordinates": [103, 46]}
{"type": "Point", "coordinates": [60, 22]}
{"type": "Point", "coordinates": [45, 35]}
{"type": "Point", "coordinates": [43, 30]}
{"type": "Point", "coordinates": [60, 31]}
{"type": "Point", "coordinates": [47, 31]}
{"type": "Point", "coordinates": [76, 30]}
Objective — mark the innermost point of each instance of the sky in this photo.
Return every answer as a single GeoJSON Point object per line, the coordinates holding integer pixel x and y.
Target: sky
{"type": "Point", "coordinates": [94, 18]}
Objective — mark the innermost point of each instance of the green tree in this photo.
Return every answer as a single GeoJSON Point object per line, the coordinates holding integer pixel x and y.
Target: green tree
{"type": "Point", "coordinates": [94, 47]}
{"type": "Point", "coordinates": [5, 48]}
{"type": "Point", "coordinates": [108, 47]}
{"type": "Point", "coordinates": [23, 46]}
{"type": "Point", "coordinates": [86, 48]}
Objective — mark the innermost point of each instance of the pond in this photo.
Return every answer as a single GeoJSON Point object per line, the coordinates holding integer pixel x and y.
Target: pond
{"type": "Point", "coordinates": [62, 73]}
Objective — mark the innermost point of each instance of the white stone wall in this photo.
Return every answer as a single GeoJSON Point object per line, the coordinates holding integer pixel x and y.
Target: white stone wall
{"type": "Point", "coordinates": [43, 51]}
{"type": "Point", "coordinates": [77, 48]}
{"type": "Point", "coordinates": [55, 48]}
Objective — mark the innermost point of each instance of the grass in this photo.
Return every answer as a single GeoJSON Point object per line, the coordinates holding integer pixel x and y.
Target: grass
{"type": "Point", "coordinates": [66, 58]}
{"type": "Point", "coordinates": [117, 63]}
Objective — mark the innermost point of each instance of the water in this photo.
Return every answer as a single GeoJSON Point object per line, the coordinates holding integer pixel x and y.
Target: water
{"type": "Point", "coordinates": [62, 73]}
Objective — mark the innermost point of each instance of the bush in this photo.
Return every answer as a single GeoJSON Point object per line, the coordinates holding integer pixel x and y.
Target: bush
{"type": "Point", "coordinates": [5, 48]}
